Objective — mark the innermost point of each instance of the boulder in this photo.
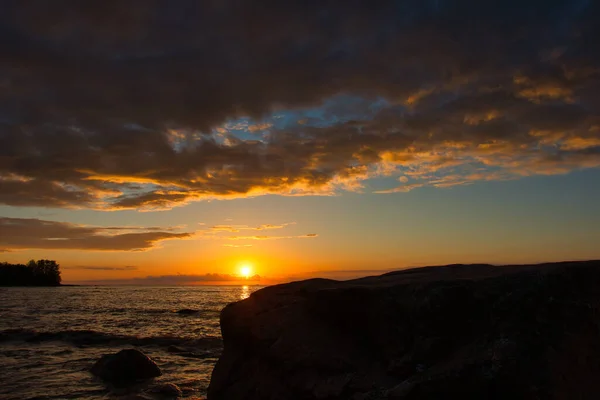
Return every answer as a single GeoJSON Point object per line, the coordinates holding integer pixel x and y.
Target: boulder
{"type": "Point", "coordinates": [126, 366]}
{"type": "Point", "coordinates": [458, 331]}
{"type": "Point", "coordinates": [167, 391]}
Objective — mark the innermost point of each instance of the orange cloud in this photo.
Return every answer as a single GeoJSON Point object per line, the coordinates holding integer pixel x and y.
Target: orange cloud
{"type": "Point", "coordinates": [238, 228]}
{"type": "Point", "coordinates": [265, 237]}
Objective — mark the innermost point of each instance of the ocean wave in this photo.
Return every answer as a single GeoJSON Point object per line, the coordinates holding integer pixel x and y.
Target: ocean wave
{"type": "Point", "coordinates": [152, 311]}
{"type": "Point", "coordinates": [91, 338]}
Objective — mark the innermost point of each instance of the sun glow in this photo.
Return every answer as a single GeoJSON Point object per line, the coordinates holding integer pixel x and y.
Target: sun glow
{"type": "Point", "coordinates": [246, 271]}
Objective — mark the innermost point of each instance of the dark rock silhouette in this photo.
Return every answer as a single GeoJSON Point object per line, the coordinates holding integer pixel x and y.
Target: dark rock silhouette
{"type": "Point", "coordinates": [125, 367]}
{"type": "Point", "coordinates": [459, 331]}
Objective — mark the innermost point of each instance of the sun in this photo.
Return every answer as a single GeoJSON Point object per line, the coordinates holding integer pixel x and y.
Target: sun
{"type": "Point", "coordinates": [246, 271]}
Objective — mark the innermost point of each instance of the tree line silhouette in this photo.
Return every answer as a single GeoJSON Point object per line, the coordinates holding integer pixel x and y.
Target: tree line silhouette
{"type": "Point", "coordinates": [34, 273]}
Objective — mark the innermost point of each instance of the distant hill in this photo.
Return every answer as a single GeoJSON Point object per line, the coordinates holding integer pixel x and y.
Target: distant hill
{"type": "Point", "coordinates": [34, 273]}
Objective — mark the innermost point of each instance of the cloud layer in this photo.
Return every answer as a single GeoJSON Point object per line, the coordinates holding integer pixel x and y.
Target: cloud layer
{"type": "Point", "coordinates": [238, 228]}
{"type": "Point", "coordinates": [231, 232]}
{"type": "Point", "coordinates": [152, 104]}
{"type": "Point", "coordinates": [33, 233]}
{"type": "Point", "coordinates": [30, 233]}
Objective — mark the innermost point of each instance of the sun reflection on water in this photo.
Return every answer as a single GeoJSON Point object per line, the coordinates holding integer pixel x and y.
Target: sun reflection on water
{"type": "Point", "coordinates": [245, 293]}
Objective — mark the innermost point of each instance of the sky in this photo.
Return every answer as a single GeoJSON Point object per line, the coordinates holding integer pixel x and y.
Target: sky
{"type": "Point", "coordinates": [160, 142]}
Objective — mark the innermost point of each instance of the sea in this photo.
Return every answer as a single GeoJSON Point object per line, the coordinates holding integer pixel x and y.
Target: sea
{"type": "Point", "coordinates": [50, 337]}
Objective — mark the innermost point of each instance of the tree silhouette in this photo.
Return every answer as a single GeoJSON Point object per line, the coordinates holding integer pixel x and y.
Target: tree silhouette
{"type": "Point", "coordinates": [35, 273]}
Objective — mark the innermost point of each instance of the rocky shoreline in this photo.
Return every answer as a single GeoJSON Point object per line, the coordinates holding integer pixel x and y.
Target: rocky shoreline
{"type": "Point", "coordinates": [459, 331]}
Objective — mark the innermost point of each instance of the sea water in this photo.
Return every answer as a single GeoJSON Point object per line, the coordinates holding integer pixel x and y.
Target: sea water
{"type": "Point", "coordinates": [50, 337]}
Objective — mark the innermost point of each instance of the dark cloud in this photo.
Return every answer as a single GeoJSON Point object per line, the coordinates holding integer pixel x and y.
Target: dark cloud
{"type": "Point", "coordinates": [126, 104]}
{"type": "Point", "coordinates": [25, 233]}
{"type": "Point", "coordinates": [36, 192]}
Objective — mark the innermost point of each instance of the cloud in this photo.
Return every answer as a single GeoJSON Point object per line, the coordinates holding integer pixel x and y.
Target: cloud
{"type": "Point", "coordinates": [94, 268]}
{"type": "Point", "coordinates": [223, 232]}
{"type": "Point", "coordinates": [178, 279]}
{"type": "Point", "coordinates": [238, 228]}
{"type": "Point", "coordinates": [30, 233]}
{"type": "Point", "coordinates": [267, 237]}
{"type": "Point", "coordinates": [150, 105]}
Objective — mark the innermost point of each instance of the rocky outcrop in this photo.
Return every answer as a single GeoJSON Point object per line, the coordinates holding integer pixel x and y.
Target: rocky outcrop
{"type": "Point", "coordinates": [125, 367]}
{"type": "Point", "coordinates": [459, 331]}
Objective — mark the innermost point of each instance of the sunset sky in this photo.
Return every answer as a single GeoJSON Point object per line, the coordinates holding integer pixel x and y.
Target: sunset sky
{"type": "Point", "coordinates": [177, 141]}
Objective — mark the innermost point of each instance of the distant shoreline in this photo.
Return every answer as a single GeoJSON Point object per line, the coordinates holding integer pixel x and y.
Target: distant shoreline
{"type": "Point", "coordinates": [35, 273]}
{"type": "Point", "coordinates": [124, 285]}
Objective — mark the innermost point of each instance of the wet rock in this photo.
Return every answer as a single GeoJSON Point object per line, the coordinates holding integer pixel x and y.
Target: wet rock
{"type": "Point", "coordinates": [459, 331]}
{"type": "Point", "coordinates": [126, 366]}
{"type": "Point", "coordinates": [167, 390]}
{"type": "Point", "coordinates": [187, 311]}
{"type": "Point", "coordinates": [175, 349]}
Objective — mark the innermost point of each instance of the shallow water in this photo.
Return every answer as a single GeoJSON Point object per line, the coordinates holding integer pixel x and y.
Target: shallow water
{"type": "Point", "coordinates": [50, 337]}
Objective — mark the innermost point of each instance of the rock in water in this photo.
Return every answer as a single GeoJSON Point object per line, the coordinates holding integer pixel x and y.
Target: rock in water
{"type": "Point", "coordinates": [167, 390]}
{"type": "Point", "coordinates": [187, 311]}
{"type": "Point", "coordinates": [459, 331]}
{"type": "Point", "coordinates": [125, 366]}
